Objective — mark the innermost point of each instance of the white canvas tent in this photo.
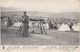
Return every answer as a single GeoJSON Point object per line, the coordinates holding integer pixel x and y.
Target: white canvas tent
{"type": "Point", "coordinates": [17, 24]}
{"type": "Point", "coordinates": [31, 24]}
{"type": "Point", "coordinates": [64, 27]}
{"type": "Point", "coordinates": [46, 26]}
{"type": "Point", "coordinates": [3, 26]}
{"type": "Point", "coordinates": [5, 23]}
{"type": "Point", "coordinates": [76, 27]}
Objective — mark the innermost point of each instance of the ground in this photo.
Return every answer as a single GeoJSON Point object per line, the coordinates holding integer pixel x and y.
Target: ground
{"type": "Point", "coordinates": [53, 37]}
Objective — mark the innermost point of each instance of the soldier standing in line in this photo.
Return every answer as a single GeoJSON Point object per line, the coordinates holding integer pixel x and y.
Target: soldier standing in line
{"type": "Point", "coordinates": [71, 24]}
{"type": "Point", "coordinates": [25, 25]}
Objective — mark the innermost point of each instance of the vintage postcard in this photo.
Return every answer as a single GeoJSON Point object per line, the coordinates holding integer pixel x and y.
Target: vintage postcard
{"type": "Point", "coordinates": [39, 25]}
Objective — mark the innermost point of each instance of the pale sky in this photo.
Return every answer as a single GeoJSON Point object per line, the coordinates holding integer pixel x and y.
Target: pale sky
{"type": "Point", "coordinates": [43, 5]}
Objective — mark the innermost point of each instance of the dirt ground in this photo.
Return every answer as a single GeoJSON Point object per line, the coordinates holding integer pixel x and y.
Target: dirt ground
{"type": "Point", "coordinates": [53, 37]}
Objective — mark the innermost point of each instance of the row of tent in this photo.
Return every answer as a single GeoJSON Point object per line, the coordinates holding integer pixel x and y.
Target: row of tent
{"type": "Point", "coordinates": [63, 27]}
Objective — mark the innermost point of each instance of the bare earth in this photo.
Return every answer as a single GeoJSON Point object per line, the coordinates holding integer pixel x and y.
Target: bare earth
{"type": "Point", "coordinates": [53, 37]}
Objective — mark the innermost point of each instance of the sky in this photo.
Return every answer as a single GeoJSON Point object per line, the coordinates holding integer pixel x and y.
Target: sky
{"type": "Point", "coordinates": [43, 5]}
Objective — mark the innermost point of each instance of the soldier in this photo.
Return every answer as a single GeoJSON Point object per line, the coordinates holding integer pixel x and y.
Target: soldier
{"type": "Point", "coordinates": [50, 24]}
{"type": "Point", "coordinates": [71, 24]}
{"type": "Point", "coordinates": [25, 25]}
{"type": "Point", "coordinates": [9, 23]}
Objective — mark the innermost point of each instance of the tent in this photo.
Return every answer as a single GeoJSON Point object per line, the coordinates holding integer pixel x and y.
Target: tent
{"type": "Point", "coordinates": [64, 27]}
{"type": "Point", "coordinates": [58, 25]}
{"type": "Point", "coordinates": [17, 24]}
{"type": "Point", "coordinates": [46, 26]}
{"type": "Point", "coordinates": [3, 25]}
{"type": "Point", "coordinates": [76, 27]}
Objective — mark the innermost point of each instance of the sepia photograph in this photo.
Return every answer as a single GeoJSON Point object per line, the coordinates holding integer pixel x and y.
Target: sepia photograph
{"type": "Point", "coordinates": [40, 22]}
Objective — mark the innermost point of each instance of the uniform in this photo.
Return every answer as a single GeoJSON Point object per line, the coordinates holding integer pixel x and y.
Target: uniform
{"type": "Point", "coordinates": [25, 26]}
